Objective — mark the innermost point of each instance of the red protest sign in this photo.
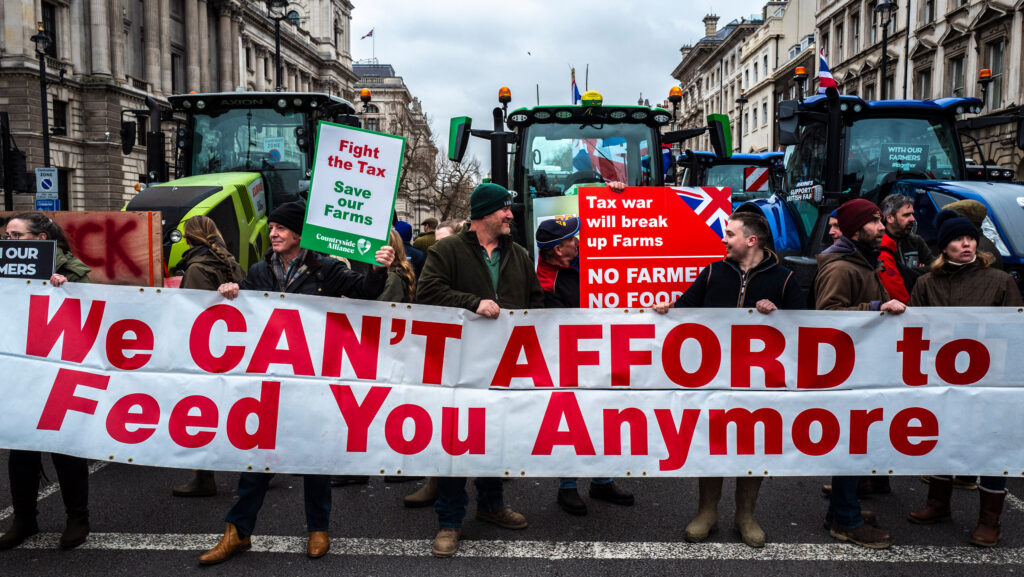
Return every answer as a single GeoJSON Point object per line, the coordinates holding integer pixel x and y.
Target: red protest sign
{"type": "Point", "coordinates": [647, 244]}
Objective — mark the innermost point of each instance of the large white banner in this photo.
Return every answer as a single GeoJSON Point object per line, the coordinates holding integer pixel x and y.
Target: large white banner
{"type": "Point", "coordinates": [287, 383]}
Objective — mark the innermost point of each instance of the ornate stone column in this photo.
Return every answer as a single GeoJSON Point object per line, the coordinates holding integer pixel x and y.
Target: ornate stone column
{"type": "Point", "coordinates": [224, 48]}
{"type": "Point", "coordinates": [236, 67]}
{"type": "Point", "coordinates": [192, 33]}
{"type": "Point", "coordinates": [117, 67]}
{"type": "Point", "coordinates": [204, 47]}
{"type": "Point", "coordinates": [99, 27]}
{"type": "Point", "coordinates": [261, 68]}
{"type": "Point", "coordinates": [165, 46]}
{"type": "Point", "coordinates": [152, 49]}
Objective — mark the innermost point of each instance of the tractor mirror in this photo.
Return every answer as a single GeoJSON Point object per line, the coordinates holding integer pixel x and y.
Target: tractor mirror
{"type": "Point", "coordinates": [458, 137]}
{"type": "Point", "coordinates": [721, 135]}
{"type": "Point", "coordinates": [789, 123]}
{"type": "Point", "coordinates": [128, 130]}
{"type": "Point", "coordinates": [1020, 134]}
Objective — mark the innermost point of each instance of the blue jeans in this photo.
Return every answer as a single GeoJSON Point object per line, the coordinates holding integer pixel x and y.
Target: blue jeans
{"type": "Point", "coordinates": [570, 482]}
{"type": "Point", "coordinates": [452, 499]}
{"type": "Point", "coordinates": [252, 488]}
{"type": "Point", "coordinates": [843, 504]}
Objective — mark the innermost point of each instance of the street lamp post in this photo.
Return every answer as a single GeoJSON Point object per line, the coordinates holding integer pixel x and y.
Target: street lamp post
{"type": "Point", "coordinates": [277, 10]}
{"type": "Point", "coordinates": [739, 137]}
{"type": "Point", "coordinates": [885, 9]}
{"type": "Point", "coordinates": [43, 40]}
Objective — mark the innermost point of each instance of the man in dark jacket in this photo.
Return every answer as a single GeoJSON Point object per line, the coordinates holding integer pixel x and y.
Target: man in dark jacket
{"type": "Point", "coordinates": [899, 221]}
{"type": "Point", "coordinates": [481, 270]}
{"type": "Point", "coordinates": [288, 268]}
{"type": "Point", "coordinates": [749, 276]}
{"type": "Point", "coordinates": [848, 280]}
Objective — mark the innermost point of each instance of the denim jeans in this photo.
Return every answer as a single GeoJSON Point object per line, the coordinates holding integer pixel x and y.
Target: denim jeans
{"type": "Point", "coordinates": [252, 487]}
{"type": "Point", "coordinates": [843, 504]}
{"type": "Point", "coordinates": [571, 482]}
{"type": "Point", "coordinates": [452, 499]}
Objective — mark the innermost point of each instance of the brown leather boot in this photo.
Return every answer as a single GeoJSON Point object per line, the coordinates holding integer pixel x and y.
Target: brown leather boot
{"type": "Point", "coordinates": [446, 543]}
{"type": "Point", "coordinates": [318, 544]}
{"type": "Point", "coordinates": [989, 531]}
{"type": "Point", "coordinates": [746, 498]}
{"type": "Point", "coordinates": [229, 545]}
{"type": "Point", "coordinates": [936, 508]}
{"type": "Point", "coordinates": [424, 496]}
{"type": "Point", "coordinates": [202, 485]}
{"type": "Point", "coordinates": [710, 490]}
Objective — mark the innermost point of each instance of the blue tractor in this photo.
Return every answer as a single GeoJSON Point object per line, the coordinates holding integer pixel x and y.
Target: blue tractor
{"type": "Point", "coordinates": [843, 147]}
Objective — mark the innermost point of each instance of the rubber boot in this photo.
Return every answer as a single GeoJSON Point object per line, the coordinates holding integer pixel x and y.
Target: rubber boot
{"type": "Point", "coordinates": [202, 485]}
{"type": "Point", "coordinates": [936, 508]}
{"type": "Point", "coordinates": [746, 498]}
{"type": "Point", "coordinates": [706, 521]}
{"type": "Point", "coordinates": [988, 532]}
{"type": "Point", "coordinates": [424, 496]}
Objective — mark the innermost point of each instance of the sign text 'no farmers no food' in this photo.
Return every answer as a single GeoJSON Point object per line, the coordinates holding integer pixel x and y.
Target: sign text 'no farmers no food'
{"type": "Point", "coordinates": [352, 193]}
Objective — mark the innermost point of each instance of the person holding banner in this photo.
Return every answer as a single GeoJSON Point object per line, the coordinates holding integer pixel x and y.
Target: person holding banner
{"type": "Point", "coordinates": [24, 467]}
{"type": "Point", "coordinates": [848, 280]}
{"type": "Point", "coordinates": [750, 276]}
{"type": "Point", "coordinates": [206, 265]}
{"type": "Point", "coordinates": [481, 270]}
{"type": "Point", "coordinates": [962, 276]}
{"type": "Point", "coordinates": [289, 268]}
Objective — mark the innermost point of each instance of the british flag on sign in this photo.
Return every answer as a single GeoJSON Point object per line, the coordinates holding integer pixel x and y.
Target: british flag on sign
{"type": "Point", "coordinates": [713, 204]}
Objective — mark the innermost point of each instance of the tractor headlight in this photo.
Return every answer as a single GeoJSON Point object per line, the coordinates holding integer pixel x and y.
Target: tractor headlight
{"type": "Point", "coordinates": [175, 236]}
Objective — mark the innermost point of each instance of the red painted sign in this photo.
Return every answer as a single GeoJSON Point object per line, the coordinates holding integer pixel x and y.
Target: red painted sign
{"type": "Point", "coordinates": [646, 244]}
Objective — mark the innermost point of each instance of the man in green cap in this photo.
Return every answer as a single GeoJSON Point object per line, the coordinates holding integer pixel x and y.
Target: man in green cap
{"type": "Point", "coordinates": [426, 238]}
{"type": "Point", "coordinates": [481, 270]}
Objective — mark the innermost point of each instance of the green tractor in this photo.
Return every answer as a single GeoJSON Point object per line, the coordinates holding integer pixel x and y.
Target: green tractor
{"type": "Point", "coordinates": [238, 156]}
{"type": "Point", "coordinates": [556, 149]}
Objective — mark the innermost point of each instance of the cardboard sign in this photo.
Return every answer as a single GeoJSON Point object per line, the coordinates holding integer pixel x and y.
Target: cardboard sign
{"type": "Point", "coordinates": [353, 190]}
{"type": "Point", "coordinates": [120, 247]}
{"type": "Point", "coordinates": [27, 258]}
{"type": "Point", "coordinates": [647, 244]}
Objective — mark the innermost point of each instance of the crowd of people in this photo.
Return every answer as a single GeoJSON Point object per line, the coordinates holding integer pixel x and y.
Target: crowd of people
{"type": "Point", "coordinates": [875, 263]}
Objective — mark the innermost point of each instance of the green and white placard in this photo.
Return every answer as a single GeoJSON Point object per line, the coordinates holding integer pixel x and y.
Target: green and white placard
{"type": "Point", "coordinates": [352, 191]}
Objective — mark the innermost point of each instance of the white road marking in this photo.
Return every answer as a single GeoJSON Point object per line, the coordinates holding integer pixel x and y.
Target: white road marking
{"type": "Point", "coordinates": [52, 488]}
{"type": "Point", "coordinates": [1014, 502]}
{"type": "Point", "coordinates": [565, 550]}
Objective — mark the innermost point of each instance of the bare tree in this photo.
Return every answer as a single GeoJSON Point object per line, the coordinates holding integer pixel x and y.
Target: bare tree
{"type": "Point", "coordinates": [454, 184]}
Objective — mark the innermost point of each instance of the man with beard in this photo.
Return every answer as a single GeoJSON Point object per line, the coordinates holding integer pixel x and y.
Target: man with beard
{"type": "Point", "coordinates": [848, 280]}
{"type": "Point", "coordinates": [481, 270]}
{"type": "Point", "coordinates": [911, 250]}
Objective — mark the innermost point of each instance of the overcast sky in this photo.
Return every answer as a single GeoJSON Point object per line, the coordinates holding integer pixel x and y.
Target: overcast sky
{"type": "Point", "coordinates": [455, 54]}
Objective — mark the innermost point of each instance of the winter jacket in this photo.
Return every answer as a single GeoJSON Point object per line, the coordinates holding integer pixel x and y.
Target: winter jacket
{"type": "Point", "coordinates": [324, 276]}
{"type": "Point", "coordinates": [204, 271]}
{"type": "Point", "coordinates": [561, 285]}
{"type": "Point", "coordinates": [891, 274]}
{"type": "Point", "coordinates": [424, 241]}
{"type": "Point", "coordinates": [416, 258]}
{"type": "Point", "coordinates": [455, 275]}
{"type": "Point", "coordinates": [970, 285]}
{"type": "Point", "coordinates": [723, 285]}
{"type": "Point", "coordinates": [70, 267]}
{"type": "Point", "coordinates": [913, 251]}
{"type": "Point", "coordinates": [846, 281]}
{"type": "Point", "coordinates": [394, 289]}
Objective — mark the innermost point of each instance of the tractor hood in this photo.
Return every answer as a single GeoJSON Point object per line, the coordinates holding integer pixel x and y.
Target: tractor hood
{"type": "Point", "coordinates": [175, 199]}
{"type": "Point", "coordinates": [1005, 203]}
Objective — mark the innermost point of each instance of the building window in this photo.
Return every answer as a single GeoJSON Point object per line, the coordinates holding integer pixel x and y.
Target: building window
{"type": "Point", "coordinates": [890, 88]}
{"type": "Point", "coordinates": [765, 67]}
{"type": "Point", "coordinates": [869, 92]}
{"type": "Point", "coordinates": [754, 125]}
{"type": "Point", "coordinates": [824, 44]}
{"type": "Point", "coordinates": [839, 42]}
{"type": "Point", "coordinates": [995, 63]}
{"type": "Point", "coordinates": [177, 73]}
{"type": "Point", "coordinates": [764, 112]}
{"type": "Point", "coordinates": [755, 73]}
{"type": "Point", "coordinates": [50, 26]}
{"type": "Point", "coordinates": [924, 84]}
{"type": "Point", "coordinates": [372, 124]}
{"type": "Point", "coordinates": [60, 114]}
{"type": "Point", "coordinates": [855, 33]}
{"type": "Point", "coordinates": [956, 75]}
{"type": "Point", "coordinates": [746, 78]}
{"type": "Point", "coordinates": [746, 122]}
{"type": "Point", "coordinates": [928, 15]}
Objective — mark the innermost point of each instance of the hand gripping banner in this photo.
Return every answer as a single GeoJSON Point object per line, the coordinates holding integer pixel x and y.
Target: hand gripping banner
{"type": "Point", "coordinates": [286, 383]}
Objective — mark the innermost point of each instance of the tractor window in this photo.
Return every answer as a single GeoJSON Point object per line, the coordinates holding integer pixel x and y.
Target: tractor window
{"type": "Point", "coordinates": [251, 140]}
{"type": "Point", "coordinates": [884, 150]}
{"type": "Point", "coordinates": [558, 156]}
{"type": "Point", "coordinates": [805, 169]}
{"type": "Point", "coordinates": [737, 176]}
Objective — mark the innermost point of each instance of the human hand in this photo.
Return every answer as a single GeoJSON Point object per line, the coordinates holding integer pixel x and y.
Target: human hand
{"type": "Point", "coordinates": [488, 308]}
{"type": "Point", "coordinates": [228, 290]}
{"type": "Point", "coordinates": [617, 186]}
{"type": "Point", "coordinates": [385, 256]}
{"type": "Point", "coordinates": [894, 306]}
{"type": "Point", "coordinates": [58, 279]}
{"type": "Point", "coordinates": [662, 307]}
{"type": "Point", "coordinates": [765, 306]}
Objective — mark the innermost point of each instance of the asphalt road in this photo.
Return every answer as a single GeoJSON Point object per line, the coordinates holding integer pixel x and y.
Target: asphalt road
{"type": "Point", "coordinates": [140, 529]}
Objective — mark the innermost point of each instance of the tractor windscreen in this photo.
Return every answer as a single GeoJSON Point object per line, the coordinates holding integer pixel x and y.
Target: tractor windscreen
{"type": "Point", "coordinates": [558, 156]}
{"type": "Point", "coordinates": [747, 182]}
{"type": "Point", "coordinates": [250, 140]}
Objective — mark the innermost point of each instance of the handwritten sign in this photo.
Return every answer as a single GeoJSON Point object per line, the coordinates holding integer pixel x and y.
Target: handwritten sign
{"type": "Point", "coordinates": [353, 190]}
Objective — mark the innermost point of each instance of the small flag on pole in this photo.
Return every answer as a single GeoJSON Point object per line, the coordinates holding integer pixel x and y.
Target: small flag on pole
{"type": "Point", "coordinates": [367, 35]}
{"type": "Point", "coordinates": [575, 90]}
{"type": "Point", "coordinates": [825, 79]}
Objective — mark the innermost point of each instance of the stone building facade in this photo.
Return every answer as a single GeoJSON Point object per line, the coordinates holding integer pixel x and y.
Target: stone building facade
{"type": "Point", "coordinates": [108, 55]}
{"type": "Point", "coordinates": [393, 109]}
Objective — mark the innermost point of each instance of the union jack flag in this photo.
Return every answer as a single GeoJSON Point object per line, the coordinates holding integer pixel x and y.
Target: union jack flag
{"type": "Point", "coordinates": [606, 156]}
{"type": "Point", "coordinates": [711, 203]}
{"type": "Point", "coordinates": [825, 79]}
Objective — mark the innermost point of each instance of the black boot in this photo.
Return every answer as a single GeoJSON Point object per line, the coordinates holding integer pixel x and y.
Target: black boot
{"type": "Point", "coordinates": [73, 475]}
{"type": "Point", "coordinates": [203, 485]}
{"type": "Point", "coordinates": [75, 532]}
{"type": "Point", "coordinates": [570, 502]}
{"type": "Point", "coordinates": [21, 529]}
{"type": "Point", "coordinates": [611, 493]}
